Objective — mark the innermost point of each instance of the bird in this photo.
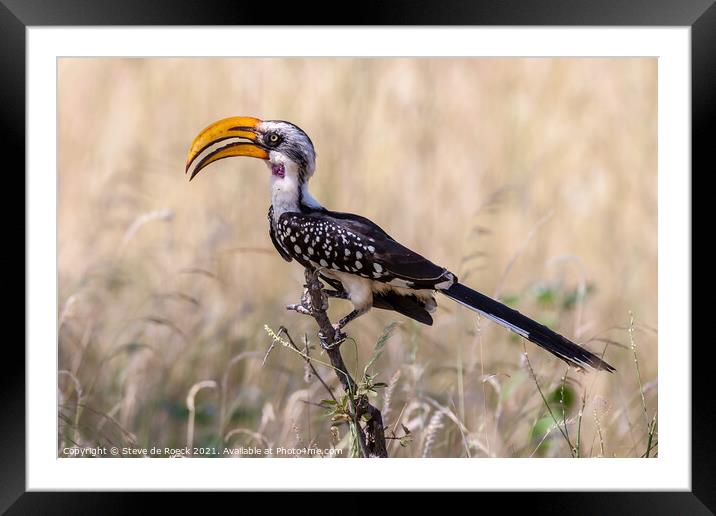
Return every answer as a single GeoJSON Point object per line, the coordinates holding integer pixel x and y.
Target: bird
{"type": "Point", "coordinates": [357, 258]}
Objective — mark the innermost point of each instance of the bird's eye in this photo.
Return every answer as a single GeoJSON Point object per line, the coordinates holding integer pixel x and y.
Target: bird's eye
{"type": "Point", "coordinates": [273, 138]}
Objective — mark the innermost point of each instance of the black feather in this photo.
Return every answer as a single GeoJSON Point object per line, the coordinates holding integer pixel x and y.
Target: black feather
{"type": "Point", "coordinates": [526, 327]}
{"type": "Point", "coordinates": [409, 306]}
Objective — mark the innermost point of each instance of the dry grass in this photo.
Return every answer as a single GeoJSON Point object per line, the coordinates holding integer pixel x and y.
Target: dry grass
{"type": "Point", "coordinates": [165, 286]}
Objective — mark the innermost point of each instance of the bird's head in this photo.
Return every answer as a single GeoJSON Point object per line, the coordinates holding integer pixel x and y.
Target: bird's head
{"type": "Point", "coordinates": [284, 147]}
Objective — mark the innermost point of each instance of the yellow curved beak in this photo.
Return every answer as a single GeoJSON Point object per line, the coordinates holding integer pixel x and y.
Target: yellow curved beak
{"type": "Point", "coordinates": [232, 129]}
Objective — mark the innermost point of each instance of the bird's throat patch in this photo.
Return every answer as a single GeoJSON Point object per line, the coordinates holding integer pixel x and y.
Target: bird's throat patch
{"type": "Point", "coordinates": [278, 170]}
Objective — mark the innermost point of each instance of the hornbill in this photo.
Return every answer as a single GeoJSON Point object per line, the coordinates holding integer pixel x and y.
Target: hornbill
{"type": "Point", "coordinates": [353, 254]}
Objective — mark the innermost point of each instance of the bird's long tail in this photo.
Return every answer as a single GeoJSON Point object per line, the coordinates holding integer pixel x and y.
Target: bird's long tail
{"type": "Point", "coordinates": [526, 327]}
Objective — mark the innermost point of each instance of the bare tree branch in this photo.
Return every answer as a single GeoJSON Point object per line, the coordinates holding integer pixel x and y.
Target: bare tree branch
{"type": "Point", "coordinates": [371, 438]}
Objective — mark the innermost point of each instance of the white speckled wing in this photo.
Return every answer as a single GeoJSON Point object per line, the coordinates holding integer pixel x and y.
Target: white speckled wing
{"type": "Point", "coordinates": [351, 243]}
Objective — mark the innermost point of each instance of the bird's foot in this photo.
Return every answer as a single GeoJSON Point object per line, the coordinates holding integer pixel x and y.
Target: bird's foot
{"type": "Point", "coordinates": [340, 334]}
{"type": "Point", "coordinates": [338, 338]}
{"type": "Point", "coordinates": [300, 308]}
{"type": "Point", "coordinates": [305, 307]}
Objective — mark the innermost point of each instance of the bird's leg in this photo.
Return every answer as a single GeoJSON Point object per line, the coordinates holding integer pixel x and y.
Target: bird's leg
{"type": "Point", "coordinates": [340, 335]}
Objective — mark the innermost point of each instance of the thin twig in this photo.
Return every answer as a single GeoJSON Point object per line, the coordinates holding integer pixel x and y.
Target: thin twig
{"type": "Point", "coordinates": [308, 360]}
{"type": "Point", "coordinates": [649, 426]}
{"type": "Point", "coordinates": [546, 403]}
{"type": "Point", "coordinates": [561, 402]}
{"type": "Point", "coordinates": [579, 422]}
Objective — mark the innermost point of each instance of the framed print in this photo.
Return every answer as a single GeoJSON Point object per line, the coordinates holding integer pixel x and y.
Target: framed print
{"type": "Point", "coordinates": [466, 251]}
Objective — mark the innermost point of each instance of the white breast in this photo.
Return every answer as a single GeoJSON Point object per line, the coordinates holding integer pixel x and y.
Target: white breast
{"type": "Point", "coordinates": [359, 289]}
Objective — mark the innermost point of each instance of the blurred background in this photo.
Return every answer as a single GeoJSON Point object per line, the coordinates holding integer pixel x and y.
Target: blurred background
{"type": "Point", "coordinates": [534, 180]}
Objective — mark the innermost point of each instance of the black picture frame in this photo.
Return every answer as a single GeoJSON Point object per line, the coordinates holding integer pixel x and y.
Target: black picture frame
{"type": "Point", "coordinates": [17, 15]}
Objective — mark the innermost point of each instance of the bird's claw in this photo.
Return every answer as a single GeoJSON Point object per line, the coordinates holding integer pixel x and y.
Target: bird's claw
{"type": "Point", "coordinates": [300, 308]}
{"type": "Point", "coordinates": [340, 336]}
{"type": "Point", "coordinates": [338, 339]}
{"type": "Point", "coordinates": [305, 307]}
